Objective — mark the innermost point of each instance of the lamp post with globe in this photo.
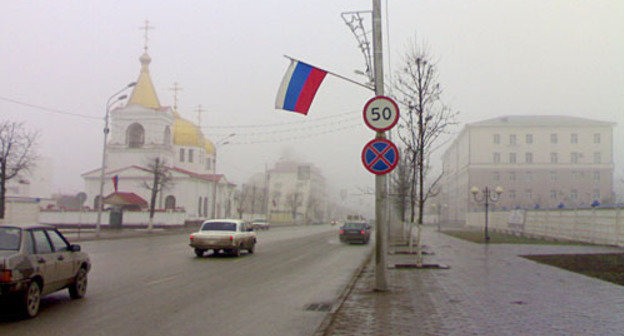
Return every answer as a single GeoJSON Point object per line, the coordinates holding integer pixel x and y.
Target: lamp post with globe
{"type": "Point", "coordinates": [486, 197]}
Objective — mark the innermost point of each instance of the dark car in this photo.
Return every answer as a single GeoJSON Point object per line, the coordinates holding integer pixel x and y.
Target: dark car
{"type": "Point", "coordinates": [352, 232]}
{"type": "Point", "coordinates": [36, 260]}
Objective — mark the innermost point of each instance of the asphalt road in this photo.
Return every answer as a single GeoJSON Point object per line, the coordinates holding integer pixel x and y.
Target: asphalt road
{"type": "Point", "coordinates": [156, 286]}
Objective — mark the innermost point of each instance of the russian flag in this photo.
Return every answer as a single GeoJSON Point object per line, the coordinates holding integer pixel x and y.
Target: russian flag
{"type": "Point", "coordinates": [299, 86]}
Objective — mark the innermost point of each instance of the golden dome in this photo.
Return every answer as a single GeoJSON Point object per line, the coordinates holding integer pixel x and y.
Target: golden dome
{"type": "Point", "coordinates": [185, 133]}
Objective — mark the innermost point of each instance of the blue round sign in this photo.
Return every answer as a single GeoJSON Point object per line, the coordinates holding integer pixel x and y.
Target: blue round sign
{"type": "Point", "coordinates": [380, 156]}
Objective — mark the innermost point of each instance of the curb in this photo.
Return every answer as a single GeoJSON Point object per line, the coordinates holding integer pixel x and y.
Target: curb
{"type": "Point", "coordinates": [331, 316]}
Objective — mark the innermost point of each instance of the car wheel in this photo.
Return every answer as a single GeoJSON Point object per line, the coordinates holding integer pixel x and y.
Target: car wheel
{"type": "Point", "coordinates": [199, 253]}
{"type": "Point", "coordinates": [252, 248]}
{"type": "Point", "coordinates": [78, 289]}
{"type": "Point", "coordinates": [32, 299]}
{"type": "Point", "coordinates": [236, 251]}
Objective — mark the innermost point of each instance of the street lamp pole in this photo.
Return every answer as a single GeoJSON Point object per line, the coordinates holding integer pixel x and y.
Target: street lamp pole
{"type": "Point", "coordinates": [100, 203]}
{"type": "Point", "coordinates": [214, 174]}
{"type": "Point", "coordinates": [487, 197]}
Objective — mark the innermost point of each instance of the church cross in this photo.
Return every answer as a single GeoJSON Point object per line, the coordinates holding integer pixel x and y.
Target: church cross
{"type": "Point", "coordinates": [199, 111]}
{"type": "Point", "coordinates": [147, 27]}
{"type": "Point", "coordinates": [175, 90]}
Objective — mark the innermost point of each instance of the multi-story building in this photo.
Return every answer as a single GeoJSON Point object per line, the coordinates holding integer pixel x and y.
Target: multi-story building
{"type": "Point", "coordinates": [540, 161]}
{"type": "Point", "coordinates": [297, 193]}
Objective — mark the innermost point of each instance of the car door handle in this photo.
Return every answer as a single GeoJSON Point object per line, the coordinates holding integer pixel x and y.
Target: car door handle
{"type": "Point", "coordinates": [41, 261]}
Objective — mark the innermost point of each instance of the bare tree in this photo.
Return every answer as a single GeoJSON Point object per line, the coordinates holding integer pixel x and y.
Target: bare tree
{"type": "Point", "coordinates": [400, 181]}
{"type": "Point", "coordinates": [416, 86]}
{"type": "Point", "coordinates": [161, 179]}
{"type": "Point", "coordinates": [17, 154]}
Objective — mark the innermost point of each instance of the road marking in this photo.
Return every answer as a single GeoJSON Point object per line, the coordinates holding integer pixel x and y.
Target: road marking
{"type": "Point", "coordinates": [155, 282]}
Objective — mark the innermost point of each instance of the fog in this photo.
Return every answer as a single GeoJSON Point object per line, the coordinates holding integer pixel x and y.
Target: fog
{"type": "Point", "coordinates": [61, 61]}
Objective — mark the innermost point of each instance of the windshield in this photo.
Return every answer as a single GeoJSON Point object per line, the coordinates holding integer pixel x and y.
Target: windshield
{"type": "Point", "coordinates": [9, 239]}
{"type": "Point", "coordinates": [354, 225]}
{"type": "Point", "coordinates": [219, 226]}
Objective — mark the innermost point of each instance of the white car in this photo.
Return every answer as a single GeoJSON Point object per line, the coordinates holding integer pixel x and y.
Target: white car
{"type": "Point", "coordinates": [260, 224]}
{"type": "Point", "coordinates": [227, 235]}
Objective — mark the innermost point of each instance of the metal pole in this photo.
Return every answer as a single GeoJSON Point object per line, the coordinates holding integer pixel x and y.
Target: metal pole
{"type": "Point", "coordinates": [214, 184]}
{"type": "Point", "coordinates": [381, 241]}
{"type": "Point", "coordinates": [103, 168]}
{"type": "Point", "coordinates": [486, 192]}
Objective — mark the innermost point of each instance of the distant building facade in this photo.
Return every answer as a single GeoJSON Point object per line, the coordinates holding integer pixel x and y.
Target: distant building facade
{"type": "Point", "coordinates": [297, 193]}
{"type": "Point", "coordinates": [540, 161]}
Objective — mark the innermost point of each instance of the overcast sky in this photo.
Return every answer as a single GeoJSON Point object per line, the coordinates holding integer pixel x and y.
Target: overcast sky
{"type": "Point", "coordinates": [495, 58]}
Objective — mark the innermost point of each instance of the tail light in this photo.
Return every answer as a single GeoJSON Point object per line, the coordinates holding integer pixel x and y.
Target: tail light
{"type": "Point", "coordinates": [362, 232]}
{"type": "Point", "coordinates": [5, 276]}
{"type": "Point", "coordinates": [341, 231]}
{"type": "Point", "coordinates": [231, 238]}
{"type": "Point", "coordinates": [192, 237]}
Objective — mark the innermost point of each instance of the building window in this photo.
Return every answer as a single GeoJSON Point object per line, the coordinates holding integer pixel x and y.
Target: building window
{"type": "Point", "coordinates": [553, 138]}
{"type": "Point", "coordinates": [573, 194]}
{"type": "Point", "coordinates": [554, 158]}
{"type": "Point", "coordinates": [574, 156]}
{"type": "Point", "coordinates": [512, 194]}
{"type": "Point", "coordinates": [553, 194]}
{"type": "Point", "coordinates": [170, 202]}
{"type": "Point", "coordinates": [181, 154]}
{"type": "Point", "coordinates": [496, 176]}
{"type": "Point", "coordinates": [199, 206]}
{"type": "Point", "coordinates": [553, 176]}
{"type": "Point", "coordinates": [597, 157]}
{"type": "Point", "coordinates": [575, 175]}
{"type": "Point", "coordinates": [167, 136]}
{"type": "Point", "coordinates": [596, 177]}
{"type": "Point", "coordinates": [574, 138]}
{"type": "Point", "coordinates": [596, 194]}
{"type": "Point", "coordinates": [190, 155]}
{"type": "Point", "coordinates": [528, 157]}
{"type": "Point", "coordinates": [512, 176]}
{"type": "Point", "coordinates": [529, 194]}
{"type": "Point", "coordinates": [497, 139]}
{"type": "Point", "coordinates": [135, 136]}
{"type": "Point", "coordinates": [205, 206]}
{"type": "Point", "coordinates": [529, 138]}
{"type": "Point", "coordinates": [512, 157]}
{"type": "Point", "coordinates": [208, 163]}
{"type": "Point", "coordinates": [596, 138]}
{"type": "Point", "coordinates": [496, 157]}
{"type": "Point", "coordinates": [512, 139]}
{"type": "Point", "coordinates": [528, 176]}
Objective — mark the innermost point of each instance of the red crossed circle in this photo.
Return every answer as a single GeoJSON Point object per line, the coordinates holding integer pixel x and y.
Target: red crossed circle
{"type": "Point", "coordinates": [380, 156]}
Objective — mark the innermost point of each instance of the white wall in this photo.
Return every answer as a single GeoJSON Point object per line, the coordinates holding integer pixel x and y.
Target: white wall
{"type": "Point", "coordinates": [130, 218]}
{"type": "Point", "coordinates": [21, 211]}
{"type": "Point", "coordinates": [596, 226]}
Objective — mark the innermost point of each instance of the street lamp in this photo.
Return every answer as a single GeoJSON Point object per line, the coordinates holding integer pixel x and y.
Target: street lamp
{"type": "Point", "coordinates": [109, 103]}
{"type": "Point", "coordinates": [221, 142]}
{"type": "Point", "coordinates": [486, 197]}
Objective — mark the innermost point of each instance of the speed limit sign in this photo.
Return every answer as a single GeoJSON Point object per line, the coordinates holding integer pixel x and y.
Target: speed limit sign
{"type": "Point", "coordinates": [381, 113]}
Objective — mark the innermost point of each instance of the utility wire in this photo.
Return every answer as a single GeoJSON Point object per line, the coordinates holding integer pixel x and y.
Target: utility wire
{"type": "Point", "coordinates": [47, 109]}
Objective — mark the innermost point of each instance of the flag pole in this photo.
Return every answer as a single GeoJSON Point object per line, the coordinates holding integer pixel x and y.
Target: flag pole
{"type": "Point", "coordinates": [334, 74]}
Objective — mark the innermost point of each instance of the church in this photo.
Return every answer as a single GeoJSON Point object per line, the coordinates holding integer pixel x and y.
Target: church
{"type": "Point", "coordinates": [142, 131]}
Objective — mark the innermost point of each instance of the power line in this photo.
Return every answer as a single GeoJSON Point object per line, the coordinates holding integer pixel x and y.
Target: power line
{"type": "Point", "coordinates": [47, 109]}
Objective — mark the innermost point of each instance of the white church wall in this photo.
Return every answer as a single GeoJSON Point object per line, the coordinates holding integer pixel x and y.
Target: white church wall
{"type": "Point", "coordinates": [130, 218]}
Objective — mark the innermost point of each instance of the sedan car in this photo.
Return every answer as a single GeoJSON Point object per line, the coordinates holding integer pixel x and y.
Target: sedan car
{"type": "Point", "coordinates": [228, 235]}
{"type": "Point", "coordinates": [260, 224]}
{"type": "Point", "coordinates": [36, 260]}
{"type": "Point", "coordinates": [355, 232]}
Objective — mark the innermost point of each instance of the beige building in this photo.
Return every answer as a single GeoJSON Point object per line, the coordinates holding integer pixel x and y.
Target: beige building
{"type": "Point", "coordinates": [540, 161]}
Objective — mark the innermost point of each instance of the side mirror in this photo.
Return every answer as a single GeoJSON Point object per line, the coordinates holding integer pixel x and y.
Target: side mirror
{"type": "Point", "coordinates": [74, 248]}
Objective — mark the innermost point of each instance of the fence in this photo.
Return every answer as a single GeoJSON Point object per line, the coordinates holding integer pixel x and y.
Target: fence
{"type": "Point", "coordinates": [596, 226]}
{"type": "Point", "coordinates": [130, 218]}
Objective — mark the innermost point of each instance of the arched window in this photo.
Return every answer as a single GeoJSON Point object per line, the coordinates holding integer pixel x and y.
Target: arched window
{"type": "Point", "coordinates": [205, 206]}
{"type": "Point", "coordinates": [170, 202]}
{"type": "Point", "coordinates": [167, 136]}
{"type": "Point", "coordinates": [135, 136]}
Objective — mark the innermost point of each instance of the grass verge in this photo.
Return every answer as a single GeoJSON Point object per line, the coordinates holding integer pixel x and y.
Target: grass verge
{"type": "Point", "coordinates": [607, 267]}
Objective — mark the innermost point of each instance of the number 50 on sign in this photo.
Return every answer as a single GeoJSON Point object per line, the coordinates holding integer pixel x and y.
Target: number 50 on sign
{"type": "Point", "coordinates": [381, 113]}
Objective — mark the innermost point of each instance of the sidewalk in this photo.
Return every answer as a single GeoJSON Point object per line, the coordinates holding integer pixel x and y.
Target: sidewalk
{"type": "Point", "coordinates": [489, 290]}
{"type": "Point", "coordinates": [75, 236]}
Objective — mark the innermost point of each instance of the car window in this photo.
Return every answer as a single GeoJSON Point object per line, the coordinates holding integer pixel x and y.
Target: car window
{"type": "Point", "coordinates": [243, 227]}
{"type": "Point", "coordinates": [355, 225]}
{"type": "Point", "coordinates": [42, 244]}
{"type": "Point", "coordinates": [219, 226]}
{"type": "Point", "coordinates": [58, 242]}
{"type": "Point", "coordinates": [30, 245]}
{"type": "Point", "coordinates": [9, 238]}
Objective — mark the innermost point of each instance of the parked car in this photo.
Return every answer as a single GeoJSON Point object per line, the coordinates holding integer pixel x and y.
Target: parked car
{"type": "Point", "coordinates": [355, 232]}
{"type": "Point", "coordinates": [227, 235]}
{"type": "Point", "coordinates": [36, 260]}
{"type": "Point", "coordinates": [260, 224]}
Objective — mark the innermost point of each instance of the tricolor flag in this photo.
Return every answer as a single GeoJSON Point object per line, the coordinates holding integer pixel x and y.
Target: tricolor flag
{"type": "Point", "coordinates": [115, 181]}
{"type": "Point", "coordinates": [299, 86]}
